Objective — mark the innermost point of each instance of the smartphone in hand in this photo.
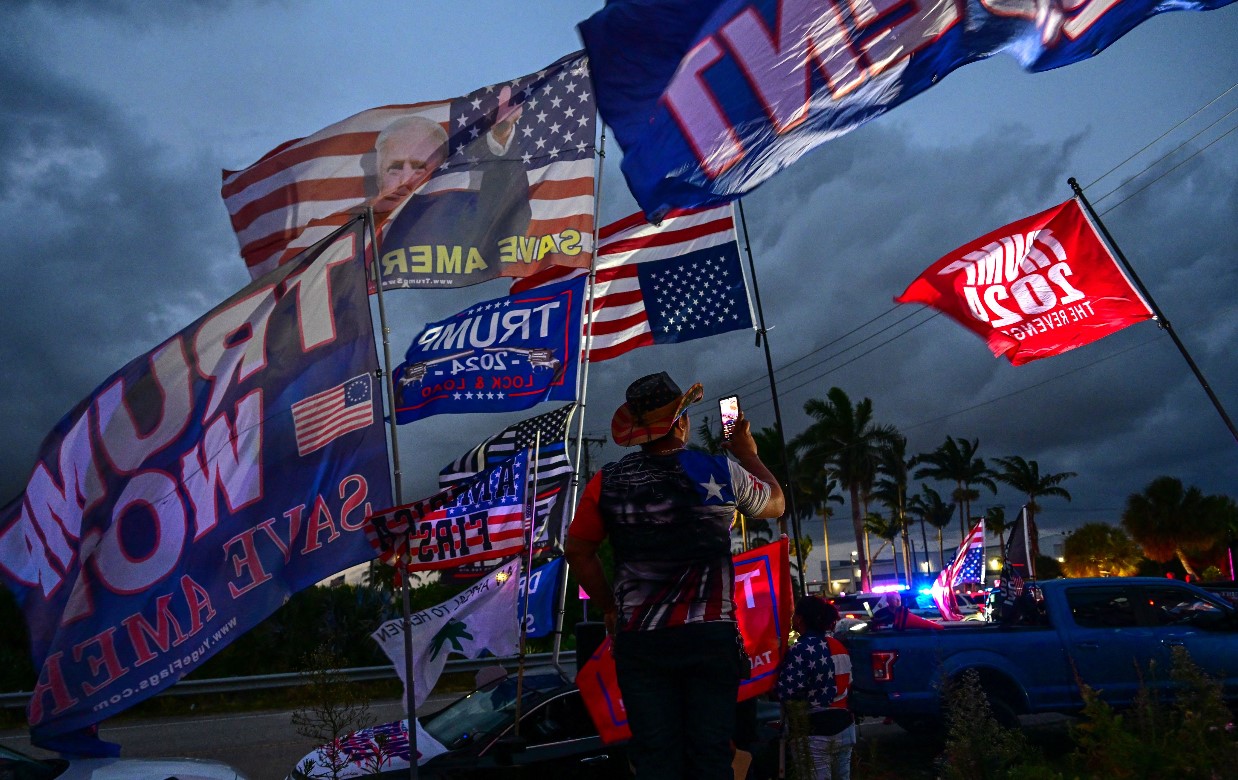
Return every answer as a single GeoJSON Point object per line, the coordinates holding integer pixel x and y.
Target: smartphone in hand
{"type": "Point", "coordinates": [729, 408]}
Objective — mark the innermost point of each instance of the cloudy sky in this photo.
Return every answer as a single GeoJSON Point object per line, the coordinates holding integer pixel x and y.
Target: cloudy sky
{"type": "Point", "coordinates": [115, 123]}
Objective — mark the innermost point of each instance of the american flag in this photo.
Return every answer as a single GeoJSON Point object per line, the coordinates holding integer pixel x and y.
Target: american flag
{"type": "Point", "coordinates": [967, 566]}
{"type": "Point", "coordinates": [303, 189]}
{"type": "Point", "coordinates": [663, 284]}
{"type": "Point", "coordinates": [553, 473]}
{"type": "Point", "coordinates": [324, 417]}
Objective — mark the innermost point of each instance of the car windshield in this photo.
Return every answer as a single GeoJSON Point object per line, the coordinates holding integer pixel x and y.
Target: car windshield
{"type": "Point", "coordinates": [484, 711]}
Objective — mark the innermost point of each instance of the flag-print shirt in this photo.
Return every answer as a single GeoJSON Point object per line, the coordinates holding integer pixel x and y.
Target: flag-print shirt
{"type": "Point", "coordinates": [669, 518]}
{"type": "Point", "coordinates": [817, 669]}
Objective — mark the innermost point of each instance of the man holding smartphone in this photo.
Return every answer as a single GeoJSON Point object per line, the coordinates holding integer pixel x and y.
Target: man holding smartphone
{"type": "Point", "coordinates": [668, 512]}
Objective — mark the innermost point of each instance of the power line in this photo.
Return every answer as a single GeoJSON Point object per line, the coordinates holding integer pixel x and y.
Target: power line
{"type": "Point", "coordinates": [1161, 136]}
{"type": "Point", "coordinates": [1029, 387]}
{"type": "Point", "coordinates": [1171, 170]}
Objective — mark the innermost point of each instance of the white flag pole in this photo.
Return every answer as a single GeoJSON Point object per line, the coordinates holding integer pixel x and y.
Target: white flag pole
{"type": "Point", "coordinates": [405, 560]}
{"type": "Point", "coordinates": [582, 390]}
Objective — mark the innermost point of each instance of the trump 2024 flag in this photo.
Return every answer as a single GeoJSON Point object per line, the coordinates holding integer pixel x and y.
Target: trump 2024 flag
{"type": "Point", "coordinates": [1034, 288]}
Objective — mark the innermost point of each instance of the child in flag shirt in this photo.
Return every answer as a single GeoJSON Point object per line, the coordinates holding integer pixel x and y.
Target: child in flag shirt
{"type": "Point", "coordinates": [817, 670]}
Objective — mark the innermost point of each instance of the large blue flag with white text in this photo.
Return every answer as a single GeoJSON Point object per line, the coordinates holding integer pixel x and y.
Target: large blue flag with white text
{"type": "Point", "coordinates": [709, 98]}
{"type": "Point", "coordinates": [502, 355]}
{"type": "Point", "coordinates": [188, 496]}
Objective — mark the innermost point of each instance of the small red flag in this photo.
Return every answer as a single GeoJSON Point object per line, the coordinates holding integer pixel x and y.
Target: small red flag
{"type": "Point", "coordinates": [1034, 288]}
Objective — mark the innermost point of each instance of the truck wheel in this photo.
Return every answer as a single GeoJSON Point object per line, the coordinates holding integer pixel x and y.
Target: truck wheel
{"type": "Point", "coordinates": [1003, 712]}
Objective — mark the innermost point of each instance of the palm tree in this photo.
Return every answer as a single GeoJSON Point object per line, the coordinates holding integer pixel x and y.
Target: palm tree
{"type": "Point", "coordinates": [995, 523]}
{"type": "Point", "coordinates": [891, 490]}
{"type": "Point", "coordinates": [817, 490]}
{"type": "Point", "coordinates": [1025, 477]}
{"type": "Point", "coordinates": [931, 508]}
{"type": "Point", "coordinates": [844, 438]}
{"type": "Point", "coordinates": [955, 461]}
{"type": "Point", "coordinates": [1168, 520]}
{"type": "Point", "coordinates": [887, 529]}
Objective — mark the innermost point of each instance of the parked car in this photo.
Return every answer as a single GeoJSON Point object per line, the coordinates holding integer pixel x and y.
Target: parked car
{"type": "Point", "coordinates": [20, 766]}
{"type": "Point", "coordinates": [557, 738]}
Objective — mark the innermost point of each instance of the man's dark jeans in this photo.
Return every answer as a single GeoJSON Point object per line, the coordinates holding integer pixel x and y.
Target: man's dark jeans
{"type": "Point", "coordinates": [679, 686]}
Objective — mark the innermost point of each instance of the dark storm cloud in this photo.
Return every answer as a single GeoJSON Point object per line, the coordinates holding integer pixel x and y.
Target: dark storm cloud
{"type": "Point", "coordinates": [111, 245]}
{"type": "Point", "coordinates": [140, 13]}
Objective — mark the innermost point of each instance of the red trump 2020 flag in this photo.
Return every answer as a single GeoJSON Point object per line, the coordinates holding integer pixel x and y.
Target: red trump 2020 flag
{"type": "Point", "coordinates": [1034, 288]}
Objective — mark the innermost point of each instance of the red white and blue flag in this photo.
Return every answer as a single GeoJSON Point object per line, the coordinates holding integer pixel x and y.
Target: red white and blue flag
{"type": "Point", "coordinates": [668, 283]}
{"type": "Point", "coordinates": [709, 98]}
{"type": "Point", "coordinates": [967, 566]}
{"type": "Point", "coordinates": [185, 499]}
{"type": "Point", "coordinates": [504, 187]}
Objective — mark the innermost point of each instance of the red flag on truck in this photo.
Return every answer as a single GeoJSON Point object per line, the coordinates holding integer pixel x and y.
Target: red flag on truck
{"type": "Point", "coordinates": [1034, 288]}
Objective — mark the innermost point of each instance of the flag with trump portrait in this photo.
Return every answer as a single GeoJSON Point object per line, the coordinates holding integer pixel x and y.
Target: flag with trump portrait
{"type": "Point", "coordinates": [495, 183]}
{"type": "Point", "coordinates": [710, 98]}
{"type": "Point", "coordinates": [185, 499]}
{"type": "Point", "coordinates": [1034, 288]}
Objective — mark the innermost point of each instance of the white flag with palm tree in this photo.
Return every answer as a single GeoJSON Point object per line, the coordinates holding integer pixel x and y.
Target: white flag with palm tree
{"type": "Point", "coordinates": [481, 618]}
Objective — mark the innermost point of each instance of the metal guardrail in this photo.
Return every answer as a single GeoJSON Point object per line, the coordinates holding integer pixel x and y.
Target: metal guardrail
{"type": "Point", "coordinates": [262, 682]}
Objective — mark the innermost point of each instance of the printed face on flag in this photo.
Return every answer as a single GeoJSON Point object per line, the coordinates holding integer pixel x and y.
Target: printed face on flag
{"type": "Point", "coordinates": [498, 182]}
{"type": "Point", "coordinates": [1034, 288]}
{"type": "Point", "coordinates": [505, 354]}
{"type": "Point", "coordinates": [185, 499]}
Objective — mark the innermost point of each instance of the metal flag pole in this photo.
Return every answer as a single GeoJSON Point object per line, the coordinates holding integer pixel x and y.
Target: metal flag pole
{"type": "Point", "coordinates": [763, 338]}
{"type": "Point", "coordinates": [407, 558]}
{"type": "Point", "coordinates": [1161, 320]}
{"type": "Point", "coordinates": [530, 515]}
{"type": "Point", "coordinates": [582, 390]}
{"type": "Point", "coordinates": [1027, 545]}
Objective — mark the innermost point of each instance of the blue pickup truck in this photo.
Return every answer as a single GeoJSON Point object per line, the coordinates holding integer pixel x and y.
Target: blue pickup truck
{"type": "Point", "coordinates": [1113, 634]}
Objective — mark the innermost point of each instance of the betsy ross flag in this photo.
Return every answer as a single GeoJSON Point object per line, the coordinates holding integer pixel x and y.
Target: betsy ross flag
{"type": "Point", "coordinates": [498, 182]}
{"type": "Point", "coordinates": [676, 281]}
{"type": "Point", "coordinates": [324, 417]}
{"type": "Point", "coordinates": [553, 472]}
{"type": "Point", "coordinates": [1034, 288]}
{"type": "Point", "coordinates": [967, 566]}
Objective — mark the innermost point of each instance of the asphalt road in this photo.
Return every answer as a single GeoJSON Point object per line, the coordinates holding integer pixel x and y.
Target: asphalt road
{"type": "Point", "coordinates": [263, 745]}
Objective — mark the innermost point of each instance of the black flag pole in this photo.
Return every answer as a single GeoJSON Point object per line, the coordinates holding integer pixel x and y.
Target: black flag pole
{"type": "Point", "coordinates": [1161, 319]}
{"type": "Point", "coordinates": [763, 338]}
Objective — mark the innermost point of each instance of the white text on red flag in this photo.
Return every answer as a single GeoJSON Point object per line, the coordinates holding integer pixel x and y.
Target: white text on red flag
{"type": "Point", "coordinates": [1034, 288]}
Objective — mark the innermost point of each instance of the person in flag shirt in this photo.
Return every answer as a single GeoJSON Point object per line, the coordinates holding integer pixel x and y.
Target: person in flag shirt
{"type": "Point", "coordinates": [817, 670]}
{"type": "Point", "coordinates": [668, 510]}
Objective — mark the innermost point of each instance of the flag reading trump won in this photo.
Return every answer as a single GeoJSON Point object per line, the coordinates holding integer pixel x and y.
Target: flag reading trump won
{"type": "Point", "coordinates": [498, 182]}
{"type": "Point", "coordinates": [176, 507]}
{"type": "Point", "coordinates": [1034, 288]}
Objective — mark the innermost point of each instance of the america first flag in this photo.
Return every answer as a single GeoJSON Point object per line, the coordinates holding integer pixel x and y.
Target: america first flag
{"type": "Point", "coordinates": [505, 189]}
{"type": "Point", "coordinates": [482, 518]}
